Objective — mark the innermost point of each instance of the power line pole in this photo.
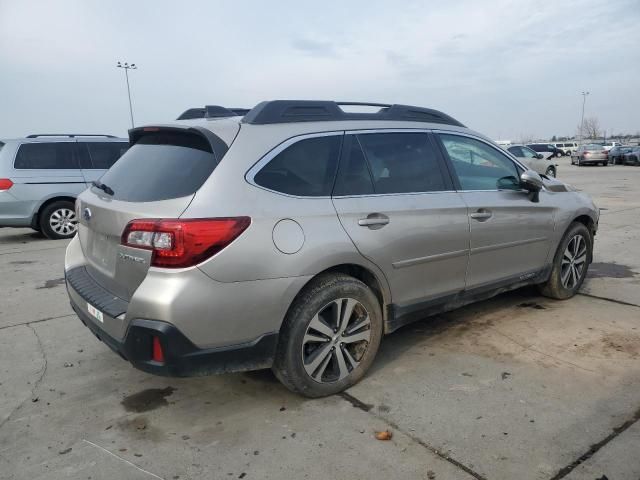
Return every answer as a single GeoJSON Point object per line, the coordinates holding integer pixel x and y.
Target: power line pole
{"type": "Point", "coordinates": [126, 68]}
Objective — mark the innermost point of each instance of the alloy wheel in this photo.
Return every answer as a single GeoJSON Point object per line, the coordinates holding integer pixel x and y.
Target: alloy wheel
{"type": "Point", "coordinates": [63, 221]}
{"type": "Point", "coordinates": [574, 261]}
{"type": "Point", "coordinates": [336, 340]}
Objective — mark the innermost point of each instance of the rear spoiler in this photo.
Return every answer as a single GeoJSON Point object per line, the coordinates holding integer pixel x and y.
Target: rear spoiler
{"type": "Point", "coordinates": [218, 146]}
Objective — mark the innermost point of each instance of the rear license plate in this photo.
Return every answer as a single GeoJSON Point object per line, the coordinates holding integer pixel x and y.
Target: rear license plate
{"type": "Point", "coordinates": [97, 314]}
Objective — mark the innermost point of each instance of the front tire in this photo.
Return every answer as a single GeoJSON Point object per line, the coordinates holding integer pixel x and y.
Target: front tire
{"type": "Point", "coordinates": [570, 263]}
{"type": "Point", "coordinates": [58, 220]}
{"type": "Point", "coordinates": [551, 172]}
{"type": "Point", "coordinates": [330, 336]}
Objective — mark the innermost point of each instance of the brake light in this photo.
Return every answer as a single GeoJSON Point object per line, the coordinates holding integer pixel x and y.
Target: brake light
{"type": "Point", "coordinates": [5, 184]}
{"type": "Point", "coordinates": [183, 243]}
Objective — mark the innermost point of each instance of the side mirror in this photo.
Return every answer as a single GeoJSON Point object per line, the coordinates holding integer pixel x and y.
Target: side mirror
{"type": "Point", "coordinates": [532, 182]}
{"type": "Point", "coordinates": [539, 155]}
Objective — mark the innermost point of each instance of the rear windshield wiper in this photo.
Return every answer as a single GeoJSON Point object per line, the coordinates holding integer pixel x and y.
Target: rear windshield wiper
{"type": "Point", "coordinates": [105, 188]}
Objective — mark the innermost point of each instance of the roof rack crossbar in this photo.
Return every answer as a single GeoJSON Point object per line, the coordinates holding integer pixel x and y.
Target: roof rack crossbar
{"type": "Point", "coordinates": [288, 111]}
{"type": "Point", "coordinates": [212, 111]}
{"type": "Point", "coordinates": [70, 135]}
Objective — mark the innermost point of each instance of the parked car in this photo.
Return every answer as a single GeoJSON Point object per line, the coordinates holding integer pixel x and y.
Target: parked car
{"type": "Point", "coordinates": [608, 145]}
{"type": "Point", "coordinates": [616, 154]}
{"type": "Point", "coordinates": [294, 237]}
{"type": "Point", "coordinates": [632, 157]}
{"type": "Point", "coordinates": [533, 160]}
{"type": "Point", "coordinates": [591, 154]}
{"type": "Point", "coordinates": [41, 176]}
{"type": "Point", "coordinates": [567, 147]}
{"type": "Point", "coordinates": [546, 149]}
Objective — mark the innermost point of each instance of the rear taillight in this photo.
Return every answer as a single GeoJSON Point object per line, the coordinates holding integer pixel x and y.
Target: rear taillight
{"type": "Point", "coordinates": [5, 184]}
{"type": "Point", "coordinates": [183, 243]}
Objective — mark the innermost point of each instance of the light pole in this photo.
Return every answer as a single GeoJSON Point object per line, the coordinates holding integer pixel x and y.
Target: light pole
{"type": "Point", "coordinates": [584, 99]}
{"type": "Point", "coordinates": [128, 67]}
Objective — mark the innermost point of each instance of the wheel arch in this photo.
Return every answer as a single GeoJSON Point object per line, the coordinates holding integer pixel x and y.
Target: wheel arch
{"type": "Point", "coordinates": [366, 275]}
{"type": "Point", "coordinates": [35, 221]}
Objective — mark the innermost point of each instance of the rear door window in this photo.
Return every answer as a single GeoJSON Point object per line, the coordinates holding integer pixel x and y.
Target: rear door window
{"type": "Point", "coordinates": [306, 169]}
{"type": "Point", "coordinates": [354, 176]}
{"type": "Point", "coordinates": [160, 166]}
{"type": "Point", "coordinates": [104, 154]}
{"type": "Point", "coordinates": [402, 163]}
{"type": "Point", "coordinates": [46, 156]}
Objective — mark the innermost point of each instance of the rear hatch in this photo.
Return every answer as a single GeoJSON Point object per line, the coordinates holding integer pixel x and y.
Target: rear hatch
{"type": "Point", "coordinates": [156, 178]}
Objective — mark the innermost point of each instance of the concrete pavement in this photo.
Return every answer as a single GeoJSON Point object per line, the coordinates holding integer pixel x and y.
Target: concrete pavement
{"type": "Point", "coordinates": [515, 387]}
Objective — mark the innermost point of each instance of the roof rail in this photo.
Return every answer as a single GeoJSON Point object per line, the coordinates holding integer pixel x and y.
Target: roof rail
{"type": "Point", "coordinates": [286, 111]}
{"type": "Point", "coordinates": [212, 111]}
{"type": "Point", "coordinates": [70, 135]}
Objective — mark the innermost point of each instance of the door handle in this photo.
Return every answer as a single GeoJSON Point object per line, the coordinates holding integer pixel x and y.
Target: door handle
{"type": "Point", "coordinates": [481, 215]}
{"type": "Point", "coordinates": [374, 221]}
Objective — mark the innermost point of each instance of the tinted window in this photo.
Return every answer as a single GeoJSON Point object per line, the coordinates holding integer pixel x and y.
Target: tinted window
{"type": "Point", "coordinates": [402, 162]}
{"type": "Point", "coordinates": [528, 153]}
{"type": "Point", "coordinates": [104, 154]}
{"type": "Point", "coordinates": [46, 156]}
{"type": "Point", "coordinates": [517, 151]}
{"type": "Point", "coordinates": [353, 176]}
{"type": "Point", "coordinates": [161, 165]}
{"type": "Point", "coordinates": [307, 168]}
{"type": "Point", "coordinates": [480, 166]}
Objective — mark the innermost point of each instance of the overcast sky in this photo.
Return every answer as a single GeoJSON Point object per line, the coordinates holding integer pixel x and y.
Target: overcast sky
{"type": "Point", "coordinates": [507, 68]}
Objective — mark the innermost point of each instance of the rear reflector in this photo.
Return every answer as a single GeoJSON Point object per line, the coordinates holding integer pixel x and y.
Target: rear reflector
{"type": "Point", "coordinates": [157, 353]}
{"type": "Point", "coordinates": [5, 184]}
{"type": "Point", "coordinates": [183, 243]}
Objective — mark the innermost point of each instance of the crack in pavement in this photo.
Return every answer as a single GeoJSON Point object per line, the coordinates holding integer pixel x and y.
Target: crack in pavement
{"type": "Point", "coordinates": [357, 403]}
{"type": "Point", "coordinates": [531, 349]}
{"type": "Point", "coordinates": [593, 449]}
{"type": "Point", "coordinates": [619, 302]}
{"type": "Point", "coordinates": [30, 251]}
{"type": "Point", "coordinates": [36, 384]}
{"type": "Point", "coordinates": [37, 321]}
{"type": "Point", "coordinates": [122, 459]}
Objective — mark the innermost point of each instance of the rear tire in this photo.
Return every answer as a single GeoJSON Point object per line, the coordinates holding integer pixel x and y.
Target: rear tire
{"type": "Point", "coordinates": [58, 220]}
{"type": "Point", "coordinates": [570, 263]}
{"type": "Point", "coordinates": [322, 351]}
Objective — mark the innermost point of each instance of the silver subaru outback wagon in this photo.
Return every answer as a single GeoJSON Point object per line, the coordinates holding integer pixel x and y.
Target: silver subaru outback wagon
{"type": "Point", "coordinates": [294, 237]}
{"type": "Point", "coordinates": [41, 176]}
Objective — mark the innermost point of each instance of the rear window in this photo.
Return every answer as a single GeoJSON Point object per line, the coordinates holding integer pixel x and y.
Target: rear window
{"type": "Point", "coordinates": [46, 156]}
{"type": "Point", "coordinates": [104, 154]}
{"type": "Point", "coordinates": [306, 169]}
{"type": "Point", "coordinates": [161, 166]}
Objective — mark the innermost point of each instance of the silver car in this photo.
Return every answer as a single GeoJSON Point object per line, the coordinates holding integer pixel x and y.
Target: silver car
{"type": "Point", "coordinates": [41, 176]}
{"type": "Point", "coordinates": [295, 237]}
{"type": "Point", "coordinates": [591, 154]}
{"type": "Point", "coordinates": [534, 160]}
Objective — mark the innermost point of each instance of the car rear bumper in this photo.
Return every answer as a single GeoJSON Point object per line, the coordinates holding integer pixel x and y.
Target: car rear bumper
{"type": "Point", "coordinates": [181, 357]}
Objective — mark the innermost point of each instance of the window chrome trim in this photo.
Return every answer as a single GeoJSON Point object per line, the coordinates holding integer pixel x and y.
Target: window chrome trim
{"type": "Point", "coordinates": [271, 154]}
{"type": "Point", "coordinates": [253, 171]}
{"type": "Point", "coordinates": [369, 195]}
{"type": "Point", "coordinates": [387, 130]}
